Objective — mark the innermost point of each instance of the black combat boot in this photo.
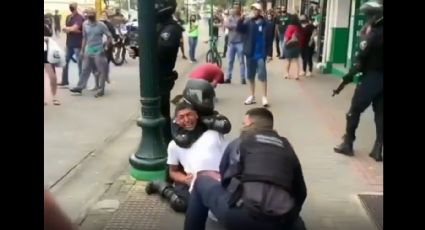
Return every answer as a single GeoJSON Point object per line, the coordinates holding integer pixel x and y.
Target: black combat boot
{"type": "Point", "coordinates": [166, 191]}
{"type": "Point", "coordinates": [376, 152]}
{"type": "Point", "coordinates": [176, 203]}
{"type": "Point", "coordinates": [156, 187]}
{"type": "Point", "coordinates": [346, 147]}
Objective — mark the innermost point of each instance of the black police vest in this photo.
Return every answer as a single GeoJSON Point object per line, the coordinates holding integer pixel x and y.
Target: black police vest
{"type": "Point", "coordinates": [267, 157]}
{"type": "Point", "coordinates": [261, 181]}
{"type": "Point", "coordinates": [373, 59]}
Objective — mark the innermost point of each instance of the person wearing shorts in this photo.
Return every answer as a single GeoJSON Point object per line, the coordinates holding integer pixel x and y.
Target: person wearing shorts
{"type": "Point", "coordinates": [48, 67]}
{"type": "Point", "coordinates": [254, 29]}
{"type": "Point", "coordinates": [292, 50]}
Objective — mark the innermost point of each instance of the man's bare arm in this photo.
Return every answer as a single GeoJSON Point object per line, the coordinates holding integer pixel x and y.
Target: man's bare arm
{"type": "Point", "coordinates": [178, 176]}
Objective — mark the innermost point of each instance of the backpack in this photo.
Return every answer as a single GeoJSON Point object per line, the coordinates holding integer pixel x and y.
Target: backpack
{"type": "Point", "coordinates": [263, 181]}
{"type": "Point", "coordinates": [294, 41]}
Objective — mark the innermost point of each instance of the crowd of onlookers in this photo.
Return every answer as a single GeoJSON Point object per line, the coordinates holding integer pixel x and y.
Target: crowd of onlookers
{"type": "Point", "coordinates": [250, 36]}
{"type": "Point", "coordinates": [85, 45]}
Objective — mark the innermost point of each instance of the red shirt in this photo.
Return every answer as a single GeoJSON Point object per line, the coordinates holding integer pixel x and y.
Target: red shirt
{"type": "Point", "coordinates": [208, 72]}
{"type": "Point", "coordinates": [290, 31]}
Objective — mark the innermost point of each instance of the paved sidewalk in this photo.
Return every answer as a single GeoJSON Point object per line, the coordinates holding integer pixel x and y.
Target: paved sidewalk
{"type": "Point", "coordinates": [80, 134]}
{"type": "Point", "coordinates": [313, 121]}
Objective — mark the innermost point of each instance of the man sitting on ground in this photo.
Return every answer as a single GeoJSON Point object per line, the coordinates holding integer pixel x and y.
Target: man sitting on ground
{"type": "Point", "coordinates": [197, 146]}
{"type": "Point", "coordinates": [260, 185]}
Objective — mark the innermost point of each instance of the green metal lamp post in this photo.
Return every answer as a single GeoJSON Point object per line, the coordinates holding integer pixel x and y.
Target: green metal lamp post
{"type": "Point", "coordinates": [148, 163]}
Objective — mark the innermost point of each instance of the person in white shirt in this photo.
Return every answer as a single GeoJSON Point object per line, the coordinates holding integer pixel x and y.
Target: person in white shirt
{"type": "Point", "coordinates": [200, 156]}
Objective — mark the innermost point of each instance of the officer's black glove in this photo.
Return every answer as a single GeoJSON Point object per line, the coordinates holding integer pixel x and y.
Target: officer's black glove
{"type": "Point", "coordinates": [217, 122]}
{"type": "Point", "coordinates": [348, 78]}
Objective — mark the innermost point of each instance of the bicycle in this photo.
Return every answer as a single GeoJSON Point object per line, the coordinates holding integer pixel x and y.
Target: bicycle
{"type": "Point", "coordinates": [212, 55]}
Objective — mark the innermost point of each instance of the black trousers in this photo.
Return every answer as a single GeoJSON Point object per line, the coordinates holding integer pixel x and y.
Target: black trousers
{"type": "Point", "coordinates": [182, 190]}
{"type": "Point", "coordinates": [276, 39]}
{"type": "Point", "coordinates": [57, 30]}
{"type": "Point", "coordinates": [269, 47]}
{"type": "Point", "coordinates": [369, 91]}
{"type": "Point", "coordinates": [307, 56]}
{"type": "Point", "coordinates": [226, 43]}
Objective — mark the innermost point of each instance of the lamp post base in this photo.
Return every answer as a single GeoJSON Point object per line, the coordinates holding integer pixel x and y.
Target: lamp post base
{"type": "Point", "coordinates": [147, 175]}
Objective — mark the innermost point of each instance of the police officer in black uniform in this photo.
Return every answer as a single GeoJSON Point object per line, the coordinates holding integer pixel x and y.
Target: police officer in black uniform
{"type": "Point", "coordinates": [260, 186]}
{"type": "Point", "coordinates": [370, 90]}
{"type": "Point", "coordinates": [169, 34]}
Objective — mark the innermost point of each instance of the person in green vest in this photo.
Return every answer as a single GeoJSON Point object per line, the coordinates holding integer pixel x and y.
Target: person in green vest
{"type": "Point", "coordinates": [193, 33]}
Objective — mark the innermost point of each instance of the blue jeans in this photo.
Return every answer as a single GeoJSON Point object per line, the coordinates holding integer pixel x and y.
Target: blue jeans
{"type": "Point", "coordinates": [193, 41]}
{"type": "Point", "coordinates": [256, 66]}
{"type": "Point", "coordinates": [69, 53]}
{"type": "Point", "coordinates": [208, 194]}
{"type": "Point", "coordinates": [281, 44]}
{"type": "Point", "coordinates": [233, 50]}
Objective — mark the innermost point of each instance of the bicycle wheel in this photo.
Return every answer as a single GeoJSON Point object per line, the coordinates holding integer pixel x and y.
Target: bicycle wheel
{"type": "Point", "coordinates": [217, 59]}
{"type": "Point", "coordinates": [210, 57]}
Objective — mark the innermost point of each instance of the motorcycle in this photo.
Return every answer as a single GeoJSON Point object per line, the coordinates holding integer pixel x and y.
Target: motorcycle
{"type": "Point", "coordinates": [119, 46]}
{"type": "Point", "coordinates": [132, 36]}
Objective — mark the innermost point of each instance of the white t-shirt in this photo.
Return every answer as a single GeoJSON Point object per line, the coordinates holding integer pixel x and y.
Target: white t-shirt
{"type": "Point", "coordinates": [204, 154]}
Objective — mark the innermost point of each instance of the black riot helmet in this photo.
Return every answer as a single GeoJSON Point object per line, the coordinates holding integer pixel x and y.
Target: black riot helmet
{"type": "Point", "coordinates": [373, 10]}
{"type": "Point", "coordinates": [165, 8]}
{"type": "Point", "coordinates": [201, 95]}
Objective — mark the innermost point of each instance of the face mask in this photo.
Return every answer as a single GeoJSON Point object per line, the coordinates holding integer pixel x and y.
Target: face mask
{"type": "Point", "coordinates": [269, 17]}
{"type": "Point", "coordinates": [72, 9]}
{"type": "Point", "coordinates": [91, 18]}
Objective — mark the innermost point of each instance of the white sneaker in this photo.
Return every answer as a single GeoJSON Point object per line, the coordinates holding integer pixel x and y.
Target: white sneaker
{"type": "Point", "coordinates": [265, 102]}
{"type": "Point", "coordinates": [308, 74]}
{"type": "Point", "coordinates": [212, 217]}
{"type": "Point", "coordinates": [250, 100]}
{"type": "Point", "coordinates": [302, 74]}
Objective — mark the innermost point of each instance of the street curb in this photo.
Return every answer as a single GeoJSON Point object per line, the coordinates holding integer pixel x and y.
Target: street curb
{"type": "Point", "coordinates": [106, 142]}
{"type": "Point", "coordinates": [135, 116]}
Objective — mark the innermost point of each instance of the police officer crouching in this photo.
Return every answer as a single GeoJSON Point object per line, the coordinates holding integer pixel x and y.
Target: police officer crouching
{"type": "Point", "coordinates": [262, 184]}
{"type": "Point", "coordinates": [371, 88]}
{"type": "Point", "coordinates": [169, 34]}
{"type": "Point", "coordinates": [198, 97]}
